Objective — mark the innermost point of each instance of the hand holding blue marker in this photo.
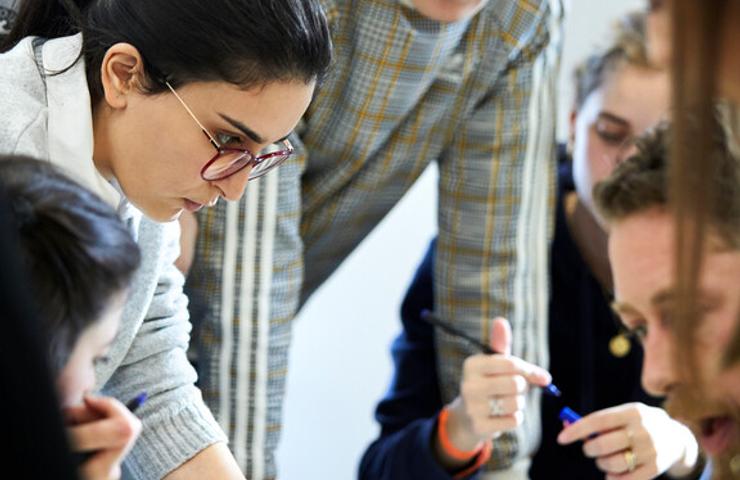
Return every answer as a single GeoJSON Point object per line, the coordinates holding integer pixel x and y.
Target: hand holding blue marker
{"type": "Point", "coordinates": [567, 414]}
{"type": "Point", "coordinates": [433, 319]}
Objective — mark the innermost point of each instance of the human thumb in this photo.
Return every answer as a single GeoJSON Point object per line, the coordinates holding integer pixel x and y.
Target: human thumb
{"type": "Point", "coordinates": [501, 336]}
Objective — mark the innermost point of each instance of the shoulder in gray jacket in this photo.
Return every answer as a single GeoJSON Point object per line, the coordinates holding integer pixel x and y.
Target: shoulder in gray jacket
{"type": "Point", "coordinates": [49, 117]}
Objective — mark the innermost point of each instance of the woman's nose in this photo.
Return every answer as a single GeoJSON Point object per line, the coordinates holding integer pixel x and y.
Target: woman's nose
{"type": "Point", "coordinates": [233, 186]}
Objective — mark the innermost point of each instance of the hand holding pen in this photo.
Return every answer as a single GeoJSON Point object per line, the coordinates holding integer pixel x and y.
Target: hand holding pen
{"type": "Point", "coordinates": [103, 430]}
{"type": "Point", "coordinates": [429, 317]}
{"type": "Point", "coordinates": [492, 388]}
{"type": "Point", "coordinates": [633, 441]}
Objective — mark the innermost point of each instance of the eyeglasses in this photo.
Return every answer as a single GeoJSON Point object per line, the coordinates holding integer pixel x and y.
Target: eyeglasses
{"type": "Point", "coordinates": [229, 161]}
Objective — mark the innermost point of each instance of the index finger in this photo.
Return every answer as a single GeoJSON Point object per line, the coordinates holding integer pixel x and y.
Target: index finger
{"type": "Point", "coordinates": [78, 414]}
{"type": "Point", "coordinates": [498, 364]}
{"type": "Point", "coordinates": [99, 435]}
{"type": "Point", "coordinates": [594, 423]}
{"type": "Point", "coordinates": [106, 407]}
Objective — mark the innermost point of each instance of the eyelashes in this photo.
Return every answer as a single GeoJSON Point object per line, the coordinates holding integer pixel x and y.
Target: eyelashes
{"type": "Point", "coordinates": [638, 333]}
{"type": "Point", "coordinates": [229, 139]}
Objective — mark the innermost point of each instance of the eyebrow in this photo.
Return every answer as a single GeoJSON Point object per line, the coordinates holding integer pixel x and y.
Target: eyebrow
{"type": "Point", "coordinates": [614, 118]}
{"type": "Point", "coordinates": [245, 129]}
{"type": "Point", "coordinates": [660, 298]}
{"type": "Point", "coordinates": [664, 297]}
{"type": "Point", "coordinates": [703, 297]}
{"type": "Point", "coordinates": [256, 137]}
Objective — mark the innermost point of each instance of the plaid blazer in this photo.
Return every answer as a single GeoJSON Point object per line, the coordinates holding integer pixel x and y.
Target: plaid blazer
{"type": "Point", "coordinates": [475, 96]}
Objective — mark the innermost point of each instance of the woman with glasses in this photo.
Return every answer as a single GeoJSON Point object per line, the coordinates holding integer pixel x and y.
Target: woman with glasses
{"type": "Point", "coordinates": [160, 107]}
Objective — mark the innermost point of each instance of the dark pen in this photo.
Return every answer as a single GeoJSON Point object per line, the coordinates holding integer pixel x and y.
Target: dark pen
{"type": "Point", "coordinates": [433, 319]}
{"type": "Point", "coordinates": [136, 402]}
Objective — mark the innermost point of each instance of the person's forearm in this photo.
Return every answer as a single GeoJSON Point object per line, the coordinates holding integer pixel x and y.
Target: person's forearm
{"type": "Point", "coordinates": [214, 462]}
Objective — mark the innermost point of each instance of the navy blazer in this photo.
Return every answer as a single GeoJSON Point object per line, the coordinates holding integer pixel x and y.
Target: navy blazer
{"type": "Point", "coordinates": [591, 378]}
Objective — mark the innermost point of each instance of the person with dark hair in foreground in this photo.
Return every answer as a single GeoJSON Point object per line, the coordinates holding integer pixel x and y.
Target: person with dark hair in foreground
{"type": "Point", "coordinates": [29, 393]}
{"type": "Point", "coordinates": [79, 259]}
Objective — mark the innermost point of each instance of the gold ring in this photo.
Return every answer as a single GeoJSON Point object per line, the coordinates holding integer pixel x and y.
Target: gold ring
{"type": "Point", "coordinates": [629, 458]}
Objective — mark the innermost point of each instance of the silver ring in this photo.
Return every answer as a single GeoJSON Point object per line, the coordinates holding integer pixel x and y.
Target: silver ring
{"type": "Point", "coordinates": [496, 407]}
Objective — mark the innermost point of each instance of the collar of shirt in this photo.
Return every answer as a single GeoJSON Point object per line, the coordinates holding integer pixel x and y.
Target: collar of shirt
{"type": "Point", "coordinates": [70, 125]}
{"type": "Point", "coordinates": [410, 5]}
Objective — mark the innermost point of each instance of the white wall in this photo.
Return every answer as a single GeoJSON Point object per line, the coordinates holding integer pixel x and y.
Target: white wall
{"type": "Point", "coordinates": [340, 366]}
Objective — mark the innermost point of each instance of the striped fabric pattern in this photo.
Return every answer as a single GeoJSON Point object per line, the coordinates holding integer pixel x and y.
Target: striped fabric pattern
{"type": "Point", "coordinates": [475, 96]}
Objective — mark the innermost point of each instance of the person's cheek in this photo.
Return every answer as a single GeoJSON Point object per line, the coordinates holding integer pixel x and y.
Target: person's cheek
{"type": "Point", "coordinates": [713, 339]}
{"type": "Point", "coordinates": [70, 386]}
{"type": "Point", "coordinates": [604, 157]}
{"type": "Point", "coordinates": [581, 155]}
{"type": "Point", "coordinates": [88, 383]}
{"type": "Point", "coordinates": [729, 381]}
{"type": "Point", "coordinates": [598, 161]}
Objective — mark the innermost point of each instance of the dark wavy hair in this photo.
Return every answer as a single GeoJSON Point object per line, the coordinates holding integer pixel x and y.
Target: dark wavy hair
{"type": "Point", "coordinates": [243, 42]}
{"type": "Point", "coordinates": [77, 254]}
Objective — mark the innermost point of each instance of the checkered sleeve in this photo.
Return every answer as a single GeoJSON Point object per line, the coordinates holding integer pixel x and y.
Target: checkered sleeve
{"type": "Point", "coordinates": [495, 200]}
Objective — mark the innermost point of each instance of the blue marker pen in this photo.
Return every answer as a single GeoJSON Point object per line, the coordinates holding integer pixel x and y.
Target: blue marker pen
{"type": "Point", "coordinates": [137, 401]}
{"type": "Point", "coordinates": [569, 416]}
{"type": "Point", "coordinates": [552, 390]}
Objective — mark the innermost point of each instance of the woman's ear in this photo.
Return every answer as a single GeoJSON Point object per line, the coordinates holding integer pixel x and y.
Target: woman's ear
{"type": "Point", "coordinates": [119, 74]}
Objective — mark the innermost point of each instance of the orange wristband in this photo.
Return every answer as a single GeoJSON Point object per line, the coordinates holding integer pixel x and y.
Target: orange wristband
{"type": "Point", "coordinates": [447, 446]}
{"type": "Point", "coordinates": [482, 459]}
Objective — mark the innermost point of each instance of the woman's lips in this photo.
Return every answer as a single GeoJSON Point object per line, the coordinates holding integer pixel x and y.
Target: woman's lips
{"type": "Point", "coordinates": [191, 206]}
{"type": "Point", "coordinates": [717, 434]}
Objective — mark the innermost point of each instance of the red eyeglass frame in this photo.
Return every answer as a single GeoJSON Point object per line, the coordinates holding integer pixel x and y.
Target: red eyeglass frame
{"type": "Point", "coordinates": [251, 159]}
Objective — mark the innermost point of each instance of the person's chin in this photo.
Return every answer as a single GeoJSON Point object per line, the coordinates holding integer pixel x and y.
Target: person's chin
{"type": "Point", "coordinates": [729, 382]}
{"type": "Point", "coordinates": [448, 11]}
{"type": "Point", "coordinates": [726, 465]}
{"type": "Point", "coordinates": [716, 426]}
{"type": "Point", "coordinates": [175, 216]}
{"type": "Point", "coordinates": [163, 214]}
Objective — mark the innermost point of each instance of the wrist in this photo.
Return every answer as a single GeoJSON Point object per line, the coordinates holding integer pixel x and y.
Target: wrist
{"type": "Point", "coordinates": [459, 428]}
{"type": "Point", "coordinates": [460, 452]}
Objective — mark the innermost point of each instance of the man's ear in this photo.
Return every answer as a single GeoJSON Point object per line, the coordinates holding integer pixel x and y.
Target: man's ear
{"type": "Point", "coordinates": [120, 74]}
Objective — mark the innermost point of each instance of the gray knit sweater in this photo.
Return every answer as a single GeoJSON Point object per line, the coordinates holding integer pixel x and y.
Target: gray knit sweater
{"type": "Point", "coordinates": [49, 117]}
